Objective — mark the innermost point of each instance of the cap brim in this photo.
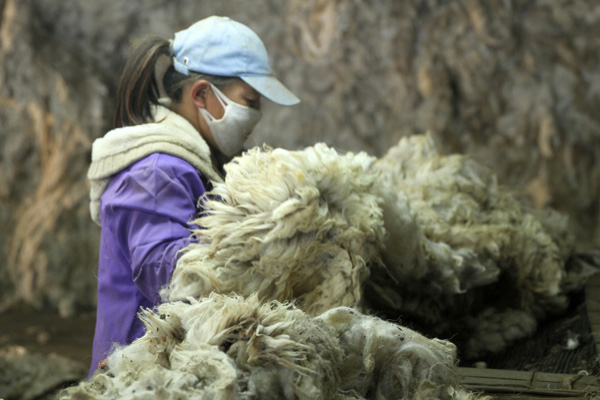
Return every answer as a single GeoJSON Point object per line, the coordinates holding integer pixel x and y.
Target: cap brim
{"type": "Point", "coordinates": [272, 89]}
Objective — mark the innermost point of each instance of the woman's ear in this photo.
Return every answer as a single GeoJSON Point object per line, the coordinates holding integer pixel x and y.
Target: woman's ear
{"type": "Point", "coordinates": [199, 92]}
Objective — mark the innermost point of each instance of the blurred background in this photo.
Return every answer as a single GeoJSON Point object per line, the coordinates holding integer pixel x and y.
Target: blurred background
{"type": "Point", "coordinates": [514, 83]}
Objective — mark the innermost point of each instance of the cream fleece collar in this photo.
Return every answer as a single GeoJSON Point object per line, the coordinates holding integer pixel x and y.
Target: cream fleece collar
{"type": "Point", "coordinates": [171, 134]}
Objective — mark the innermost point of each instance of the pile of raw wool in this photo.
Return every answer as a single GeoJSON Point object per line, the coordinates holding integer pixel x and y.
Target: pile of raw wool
{"type": "Point", "coordinates": [464, 256]}
{"type": "Point", "coordinates": [300, 225]}
{"type": "Point", "coordinates": [443, 244]}
{"type": "Point", "coordinates": [456, 250]}
{"type": "Point", "coordinates": [230, 347]}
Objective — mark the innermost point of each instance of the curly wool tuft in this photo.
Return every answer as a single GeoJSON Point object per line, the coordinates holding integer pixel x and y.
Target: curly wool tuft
{"type": "Point", "coordinates": [230, 347]}
{"type": "Point", "coordinates": [464, 254]}
{"type": "Point", "coordinates": [457, 252]}
{"type": "Point", "coordinates": [299, 225]}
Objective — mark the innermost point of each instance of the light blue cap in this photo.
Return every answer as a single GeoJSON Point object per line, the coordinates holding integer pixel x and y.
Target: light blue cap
{"type": "Point", "coordinates": [221, 46]}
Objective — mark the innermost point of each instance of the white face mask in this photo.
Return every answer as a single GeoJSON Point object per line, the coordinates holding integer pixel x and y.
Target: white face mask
{"type": "Point", "coordinates": [231, 131]}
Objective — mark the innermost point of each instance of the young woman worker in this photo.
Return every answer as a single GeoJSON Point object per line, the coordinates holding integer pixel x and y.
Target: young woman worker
{"type": "Point", "coordinates": [171, 136]}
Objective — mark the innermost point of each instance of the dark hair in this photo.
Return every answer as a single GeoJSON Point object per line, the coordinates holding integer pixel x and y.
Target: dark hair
{"type": "Point", "coordinates": [138, 88]}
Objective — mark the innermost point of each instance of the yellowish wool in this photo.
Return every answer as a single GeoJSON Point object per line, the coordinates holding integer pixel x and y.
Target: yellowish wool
{"type": "Point", "coordinates": [463, 253]}
{"type": "Point", "coordinates": [230, 348]}
{"type": "Point", "coordinates": [286, 225]}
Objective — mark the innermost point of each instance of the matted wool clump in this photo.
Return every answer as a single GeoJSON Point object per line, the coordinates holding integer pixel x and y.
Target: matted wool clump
{"type": "Point", "coordinates": [465, 255]}
{"type": "Point", "coordinates": [230, 347]}
{"type": "Point", "coordinates": [299, 225]}
{"type": "Point", "coordinates": [382, 360]}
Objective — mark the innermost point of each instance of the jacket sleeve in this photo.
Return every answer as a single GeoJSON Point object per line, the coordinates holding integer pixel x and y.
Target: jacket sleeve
{"type": "Point", "coordinates": [149, 211]}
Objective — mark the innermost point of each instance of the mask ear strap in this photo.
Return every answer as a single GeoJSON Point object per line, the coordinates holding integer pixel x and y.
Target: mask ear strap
{"type": "Point", "coordinates": [220, 96]}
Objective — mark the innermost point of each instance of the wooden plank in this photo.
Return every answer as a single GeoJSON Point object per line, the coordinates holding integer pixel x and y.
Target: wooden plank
{"type": "Point", "coordinates": [526, 385]}
{"type": "Point", "coordinates": [485, 374]}
{"type": "Point", "coordinates": [530, 383]}
{"type": "Point", "coordinates": [493, 373]}
{"type": "Point", "coordinates": [516, 396]}
{"type": "Point", "coordinates": [592, 295]}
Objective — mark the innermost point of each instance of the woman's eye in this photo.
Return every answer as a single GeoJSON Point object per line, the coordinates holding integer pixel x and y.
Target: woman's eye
{"type": "Point", "coordinates": [253, 103]}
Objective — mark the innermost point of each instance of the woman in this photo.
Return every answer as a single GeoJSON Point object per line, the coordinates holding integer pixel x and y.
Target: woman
{"type": "Point", "coordinates": [172, 135]}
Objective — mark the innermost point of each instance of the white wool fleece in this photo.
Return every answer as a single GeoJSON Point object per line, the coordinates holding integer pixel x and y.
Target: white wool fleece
{"type": "Point", "coordinates": [235, 348]}
{"type": "Point", "coordinates": [465, 254]}
{"type": "Point", "coordinates": [299, 225]}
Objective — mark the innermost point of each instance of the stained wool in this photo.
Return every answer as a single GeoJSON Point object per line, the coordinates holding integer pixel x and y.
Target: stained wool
{"type": "Point", "coordinates": [382, 360]}
{"type": "Point", "coordinates": [464, 254]}
{"type": "Point", "coordinates": [457, 252]}
{"type": "Point", "coordinates": [286, 225]}
{"type": "Point", "coordinates": [230, 347]}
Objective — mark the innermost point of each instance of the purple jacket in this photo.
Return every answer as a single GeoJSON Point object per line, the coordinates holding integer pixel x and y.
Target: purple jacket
{"type": "Point", "coordinates": [145, 213]}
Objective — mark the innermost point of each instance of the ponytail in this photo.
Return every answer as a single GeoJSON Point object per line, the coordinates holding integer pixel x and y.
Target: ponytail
{"type": "Point", "coordinates": [138, 88]}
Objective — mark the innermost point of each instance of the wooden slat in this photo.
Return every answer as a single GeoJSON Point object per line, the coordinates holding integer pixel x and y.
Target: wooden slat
{"type": "Point", "coordinates": [592, 296]}
{"type": "Point", "coordinates": [513, 396]}
{"type": "Point", "coordinates": [528, 383]}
